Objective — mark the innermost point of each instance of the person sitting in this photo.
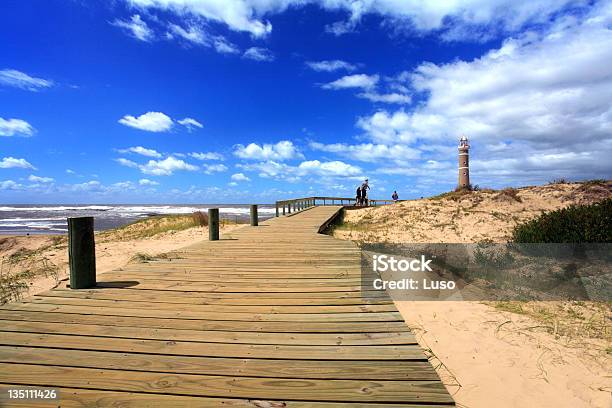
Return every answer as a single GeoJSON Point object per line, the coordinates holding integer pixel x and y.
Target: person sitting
{"type": "Point", "coordinates": [395, 197]}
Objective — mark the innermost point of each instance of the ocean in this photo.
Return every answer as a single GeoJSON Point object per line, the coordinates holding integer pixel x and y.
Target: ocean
{"type": "Point", "coordinates": [51, 219]}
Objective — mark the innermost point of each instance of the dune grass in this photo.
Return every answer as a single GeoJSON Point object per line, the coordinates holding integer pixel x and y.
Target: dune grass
{"type": "Point", "coordinates": [153, 226]}
{"type": "Point", "coordinates": [22, 266]}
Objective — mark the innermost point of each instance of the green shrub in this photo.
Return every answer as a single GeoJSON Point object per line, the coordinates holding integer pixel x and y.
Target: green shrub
{"type": "Point", "coordinates": [574, 224]}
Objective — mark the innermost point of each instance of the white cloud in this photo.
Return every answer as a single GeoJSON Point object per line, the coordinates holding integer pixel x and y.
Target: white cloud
{"type": "Point", "coordinates": [147, 182]}
{"type": "Point", "coordinates": [214, 168]}
{"type": "Point", "coordinates": [269, 169]}
{"type": "Point", "coordinates": [468, 18]}
{"type": "Point", "coordinates": [69, 171]}
{"type": "Point", "coordinates": [328, 169]}
{"type": "Point", "coordinates": [11, 162]}
{"type": "Point", "coordinates": [206, 156]}
{"type": "Point", "coordinates": [258, 54]}
{"type": "Point", "coordinates": [123, 162]}
{"type": "Point", "coordinates": [10, 185]}
{"type": "Point", "coordinates": [142, 151]}
{"type": "Point", "coordinates": [196, 34]}
{"type": "Point", "coordinates": [551, 88]}
{"type": "Point", "coordinates": [150, 121]}
{"type": "Point", "coordinates": [240, 177]}
{"type": "Point", "coordinates": [331, 65]}
{"type": "Point", "coordinates": [321, 171]}
{"type": "Point", "coordinates": [239, 15]}
{"type": "Point", "coordinates": [166, 167]}
{"type": "Point", "coordinates": [283, 150]}
{"type": "Point", "coordinates": [232, 184]}
{"type": "Point", "coordinates": [123, 185]}
{"type": "Point", "coordinates": [136, 27]}
{"type": "Point", "coordinates": [383, 127]}
{"type": "Point", "coordinates": [36, 179]}
{"type": "Point", "coordinates": [386, 98]}
{"type": "Point", "coordinates": [190, 123]}
{"type": "Point", "coordinates": [192, 33]}
{"type": "Point", "coordinates": [11, 127]}
{"type": "Point", "coordinates": [353, 81]}
{"type": "Point", "coordinates": [223, 46]}
{"type": "Point", "coordinates": [92, 185]}
{"type": "Point", "coordinates": [368, 152]}
{"type": "Point", "coordinates": [341, 27]}
{"type": "Point", "coordinates": [18, 79]}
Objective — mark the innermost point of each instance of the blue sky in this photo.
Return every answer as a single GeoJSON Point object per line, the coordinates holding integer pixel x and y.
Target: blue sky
{"type": "Point", "coordinates": [163, 101]}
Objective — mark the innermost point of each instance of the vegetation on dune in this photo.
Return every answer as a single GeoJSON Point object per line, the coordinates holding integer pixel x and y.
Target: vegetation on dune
{"type": "Point", "coordinates": [573, 320]}
{"type": "Point", "coordinates": [155, 225]}
{"type": "Point", "coordinates": [23, 265]}
{"type": "Point", "coordinates": [574, 224]}
{"type": "Point", "coordinates": [143, 257]}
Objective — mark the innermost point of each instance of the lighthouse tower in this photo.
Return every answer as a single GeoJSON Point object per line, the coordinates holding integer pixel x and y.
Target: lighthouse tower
{"type": "Point", "coordinates": [464, 166]}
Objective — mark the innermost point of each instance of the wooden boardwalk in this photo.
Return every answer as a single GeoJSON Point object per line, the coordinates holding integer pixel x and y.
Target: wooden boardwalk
{"type": "Point", "coordinates": [269, 316]}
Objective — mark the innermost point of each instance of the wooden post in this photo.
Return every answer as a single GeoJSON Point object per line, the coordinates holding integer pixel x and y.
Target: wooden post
{"type": "Point", "coordinates": [254, 217]}
{"type": "Point", "coordinates": [213, 224]}
{"type": "Point", "coordinates": [277, 209]}
{"type": "Point", "coordinates": [284, 208]}
{"type": "Point", "coordinates": [289, 207]}
{"type": "Point", "coordinates": [81, 252]}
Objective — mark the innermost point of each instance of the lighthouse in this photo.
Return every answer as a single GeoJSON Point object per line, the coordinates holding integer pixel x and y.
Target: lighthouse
{"type": "Point", "coordinates": [464, 166]}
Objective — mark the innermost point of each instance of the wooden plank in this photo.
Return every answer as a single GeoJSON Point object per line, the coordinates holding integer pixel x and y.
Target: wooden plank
{"type": "Point", "coordinates": [188, 348]}
{"type": "Point", "coordinates": [221, 386]}
{"type": "Point", "coordinates": [214, 299]}
{"type": "Point", "coordinates": [144, 283]}
{"type": "Point", "coordinates": [84, 398]}
{"type": "Point", "coordinates": [181, 324]}
{"type": "Point", "coordinates": [187, 314]}
{"type": "Point", "coordinates": [301, 309]}
{"type": "Point", "coordinates": [235, 367]}
{"type": "Point", "coordinates": [302, 339]}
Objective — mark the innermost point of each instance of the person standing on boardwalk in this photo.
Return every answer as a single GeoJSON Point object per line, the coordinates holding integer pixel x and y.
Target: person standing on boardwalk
{"type": "Point", "coordinates": [394, 196]}
{"type": "Point", "coordinates": [364, 192]}
{"type": "Point", "coordinates": [358, 196]}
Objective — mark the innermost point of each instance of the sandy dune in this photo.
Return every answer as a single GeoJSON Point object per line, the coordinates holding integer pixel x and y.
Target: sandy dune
{"type": "Point", "coordinates": [464, 218]}
{"type": "Point", "coordinates": [488, 357]}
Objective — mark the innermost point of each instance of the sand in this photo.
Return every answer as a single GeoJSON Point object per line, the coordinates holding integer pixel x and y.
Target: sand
{"type": "Point", "coordinates": [111, 252]}
{"type": "Point", "coordinates": [485, 356]}
{"type": "Point", "coordinates": [464, 218]}
{"type": "Point", "coordinates": [490, 358]}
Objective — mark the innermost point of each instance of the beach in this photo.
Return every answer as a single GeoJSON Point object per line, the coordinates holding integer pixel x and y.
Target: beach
{"type": "Point", "coordinates": [41, 260]}
{"type": "Point", "coordinates": [21, 219]}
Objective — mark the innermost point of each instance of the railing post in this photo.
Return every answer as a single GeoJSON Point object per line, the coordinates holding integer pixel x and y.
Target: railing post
{"type": "Point", "coordinates": [81, 252]}
{"type": "Point", "coordinates": [254, 217]}
{"type": "Point", "coordinates": [213, 224]}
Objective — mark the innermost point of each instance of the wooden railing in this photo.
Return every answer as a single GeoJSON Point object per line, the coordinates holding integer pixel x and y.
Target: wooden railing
{"type": "Point", "coordinates": [285, 207]}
